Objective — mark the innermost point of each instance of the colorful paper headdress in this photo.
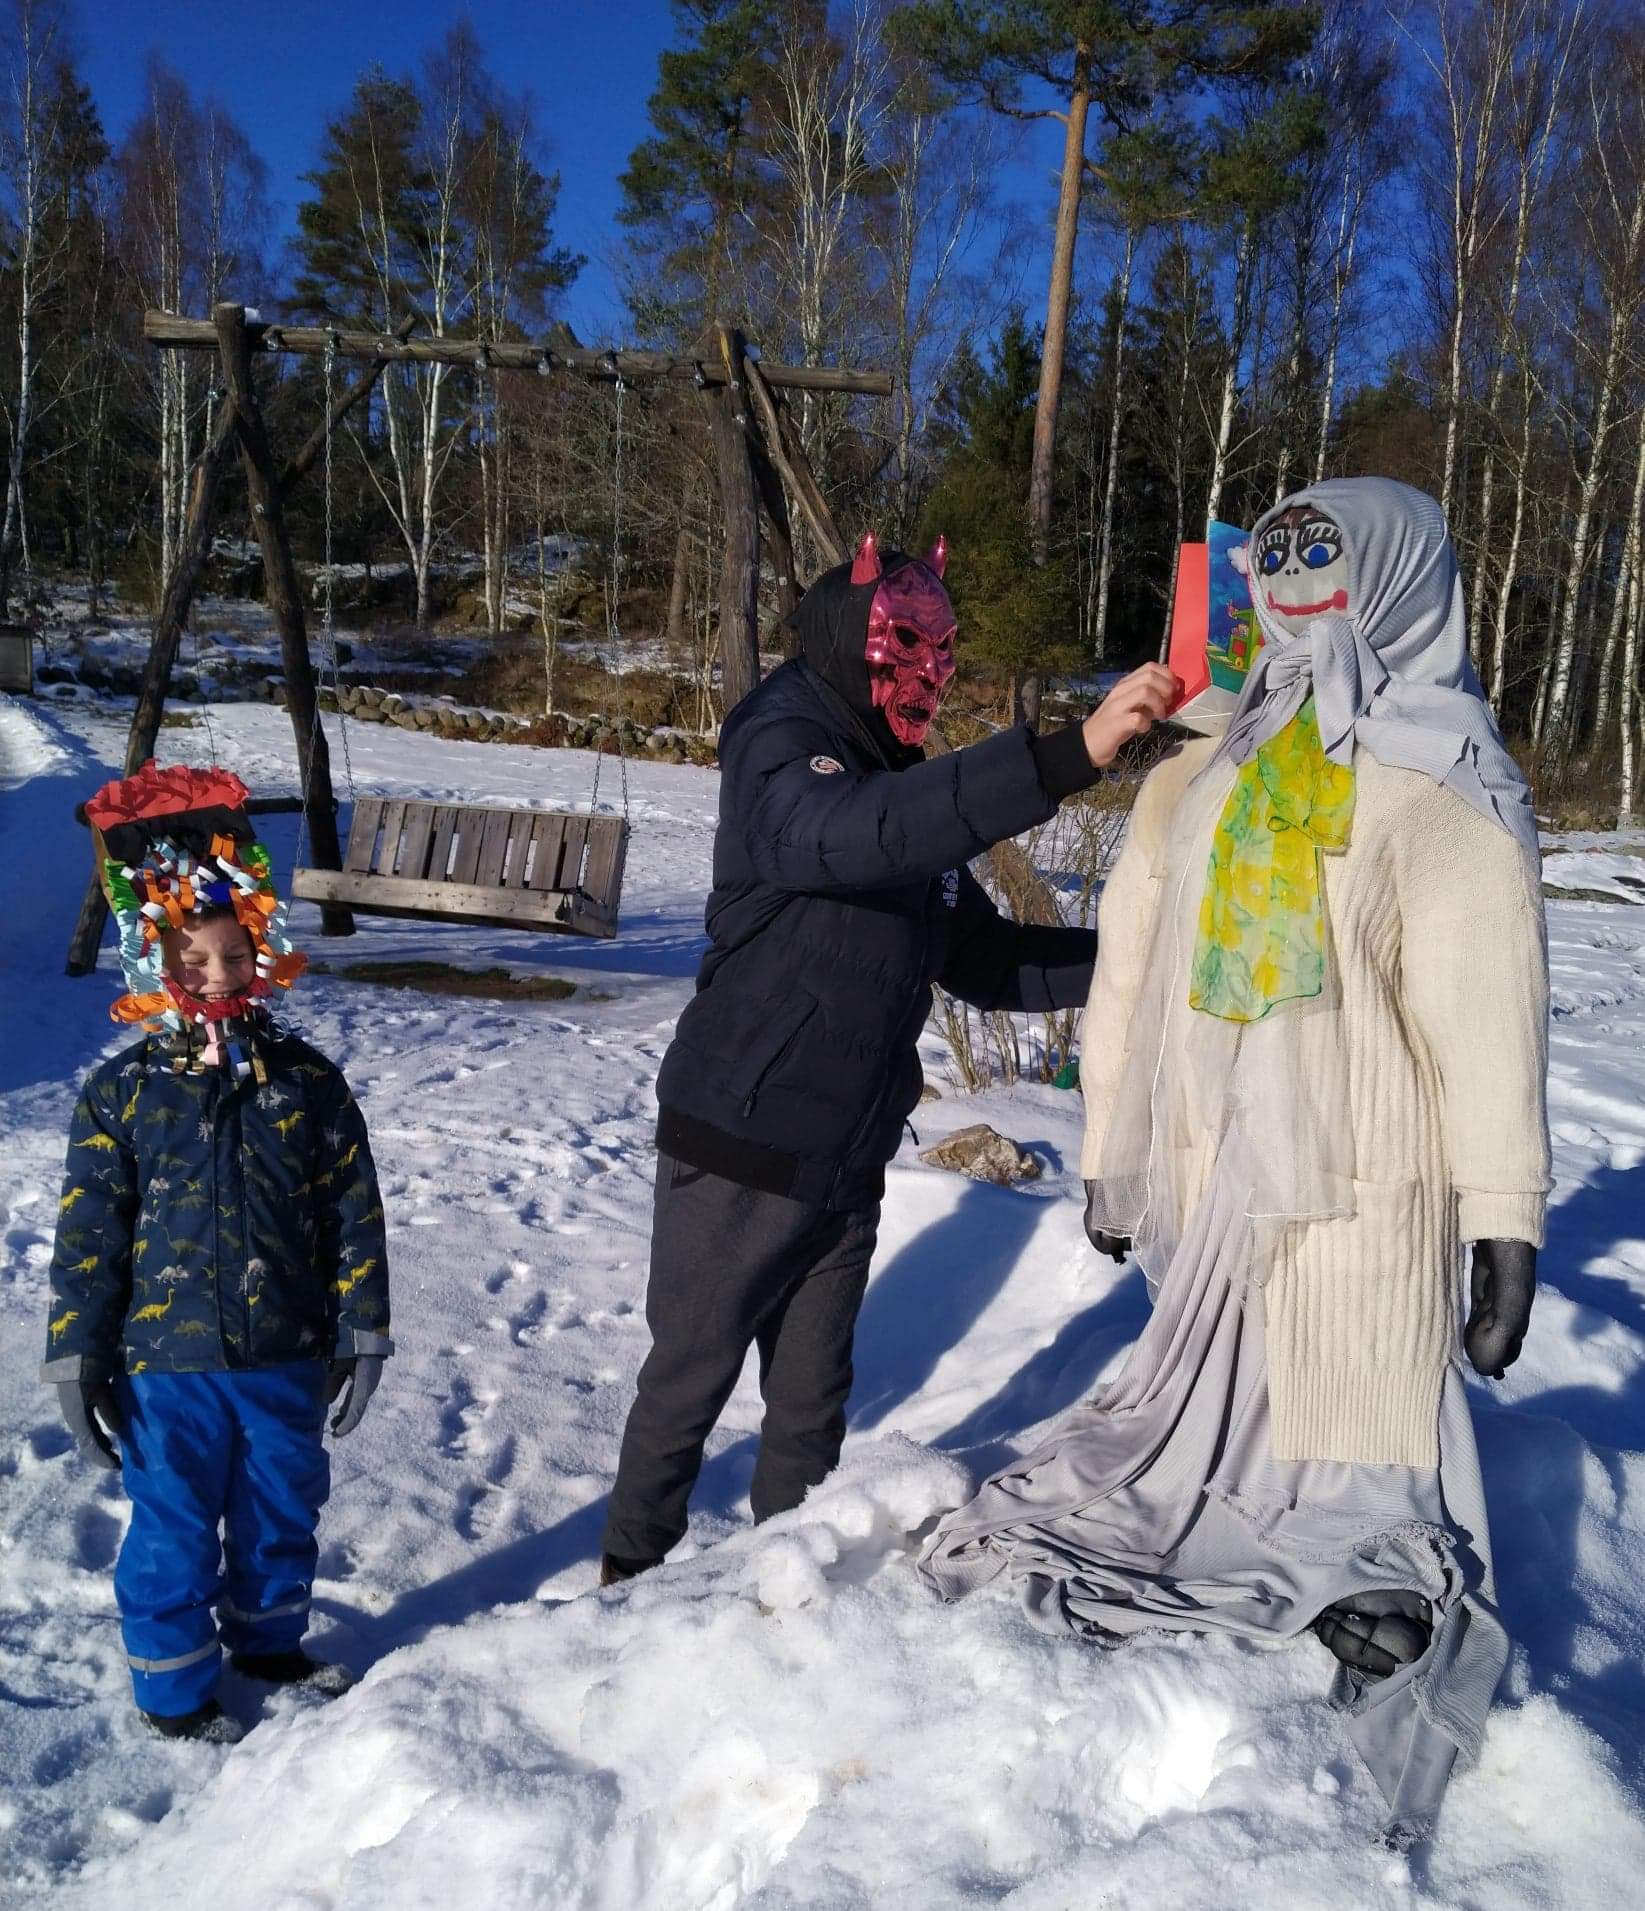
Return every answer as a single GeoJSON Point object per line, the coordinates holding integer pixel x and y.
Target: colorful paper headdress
{"type": "Point", "coordinates": [171, 844]}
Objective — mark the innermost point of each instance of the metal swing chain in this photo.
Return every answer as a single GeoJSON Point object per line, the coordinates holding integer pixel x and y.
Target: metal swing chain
{"type": "Point", "coordinates": [613, 597]}
{"type": "Point", "coordinates": [328, 628]}
{"type": "Point", "coordinates": [328, 623]}
{"type": "Point", "coordinates": [212, 395]}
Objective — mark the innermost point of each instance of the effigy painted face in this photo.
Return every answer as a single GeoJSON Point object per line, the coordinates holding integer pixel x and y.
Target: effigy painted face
{"type": "Point", "coordinates": [1300, 570]}
{"type": "Point", "coordinates": [910, 645]}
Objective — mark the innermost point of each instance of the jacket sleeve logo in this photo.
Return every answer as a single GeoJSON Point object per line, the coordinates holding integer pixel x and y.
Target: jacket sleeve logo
{"type": "Point", "coordinates": [827, 766]}
{"type": "Point", "coordinates": [951, 889]}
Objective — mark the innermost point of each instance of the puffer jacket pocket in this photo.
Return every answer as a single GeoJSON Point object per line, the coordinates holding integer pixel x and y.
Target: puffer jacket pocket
{"type": "Point", "coordinates": [786, 1022]}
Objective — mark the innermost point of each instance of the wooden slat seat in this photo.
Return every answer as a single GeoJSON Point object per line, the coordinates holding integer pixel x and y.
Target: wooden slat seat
{"type": "Point", "coordinates": [478, 862]}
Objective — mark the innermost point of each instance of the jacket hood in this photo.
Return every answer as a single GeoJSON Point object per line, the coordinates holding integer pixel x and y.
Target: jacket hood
{"type": "Point", "coordinates": [832, 622]}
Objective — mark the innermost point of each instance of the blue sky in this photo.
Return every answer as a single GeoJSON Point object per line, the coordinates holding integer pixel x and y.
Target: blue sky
{"type": "Point", "coordinates": [283, 66]}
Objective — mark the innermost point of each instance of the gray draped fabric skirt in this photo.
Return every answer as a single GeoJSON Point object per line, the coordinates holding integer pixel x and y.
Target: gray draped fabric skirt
{"type": "Point", "coordinates": [1160, 1503]}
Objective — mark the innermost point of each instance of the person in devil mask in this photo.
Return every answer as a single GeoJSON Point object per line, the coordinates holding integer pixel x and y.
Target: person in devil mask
{"type": "Point", "coordinates": [841, 893]}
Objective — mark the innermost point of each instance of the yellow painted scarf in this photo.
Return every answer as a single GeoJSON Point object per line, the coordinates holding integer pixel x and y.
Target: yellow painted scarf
{"type": "Point", "coordinates": [1261, 920]}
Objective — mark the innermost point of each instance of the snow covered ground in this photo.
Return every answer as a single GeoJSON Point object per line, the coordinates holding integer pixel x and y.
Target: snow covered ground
{"type": "Point", "coordinates": [778, 1718]}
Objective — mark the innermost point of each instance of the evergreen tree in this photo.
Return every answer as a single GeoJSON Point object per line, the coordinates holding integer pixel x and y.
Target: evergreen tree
{"type": "Point", "coordinates": [1124, 61]}
{"type": "Point", "coordinates": [369, 173]}
{"type": "Point", "coordinates": [686, 185]}
{"type": "Point", "coordinates": [1180, 366]}
{"type": "Point", "coordinates": [429, 201]}
{"type": "Point", "coordinates": [1013, 612]}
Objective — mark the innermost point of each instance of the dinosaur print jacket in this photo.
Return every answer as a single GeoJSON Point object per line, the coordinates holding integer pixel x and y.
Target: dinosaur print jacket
{"type": "Point", "coordinates": [208, 1224]}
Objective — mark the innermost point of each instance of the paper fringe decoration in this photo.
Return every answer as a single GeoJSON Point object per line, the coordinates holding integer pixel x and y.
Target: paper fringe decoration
{"type": "Point", "coordinates": [169, 884]}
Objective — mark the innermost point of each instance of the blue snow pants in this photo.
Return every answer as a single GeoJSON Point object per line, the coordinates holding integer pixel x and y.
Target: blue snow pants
{"type": "Point", "coordinates": [240, 1450]}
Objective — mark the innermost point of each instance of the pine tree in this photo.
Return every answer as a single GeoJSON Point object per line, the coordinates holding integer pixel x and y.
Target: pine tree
{"type": "Point", "coordinates": [1121, 60]}
{"type": "Point", "coordinates": [1014, 613]}
{"type": "Point", "coordinates": [685, 185]}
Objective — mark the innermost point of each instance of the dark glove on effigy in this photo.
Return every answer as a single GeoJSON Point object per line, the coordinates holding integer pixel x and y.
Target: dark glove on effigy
{"type": "Point", "coordinates": [1503, 1286]}
{"type": "Point", "coordinates": [1116, 1246]}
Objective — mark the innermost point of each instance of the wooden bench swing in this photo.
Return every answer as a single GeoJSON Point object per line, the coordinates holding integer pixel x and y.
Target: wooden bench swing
{"type": "Point", "coordinates": [492, 863]}
{"type": "Point", "coordinates": [477, 862]}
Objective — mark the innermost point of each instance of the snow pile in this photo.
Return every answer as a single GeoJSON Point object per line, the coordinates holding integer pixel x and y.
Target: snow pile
{"type": "Point", "coordinates": [780, 1717]}
{"type": "Point", "coordinates": [787, 1719]}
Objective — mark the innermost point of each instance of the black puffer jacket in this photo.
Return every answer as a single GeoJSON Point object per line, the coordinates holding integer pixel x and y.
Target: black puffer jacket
{"type": "Point", "coordinates": [840, 895]}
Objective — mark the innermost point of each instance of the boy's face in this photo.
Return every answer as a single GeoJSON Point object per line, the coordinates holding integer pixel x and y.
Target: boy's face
{"type": "Point", "coordinates": [210, 959]}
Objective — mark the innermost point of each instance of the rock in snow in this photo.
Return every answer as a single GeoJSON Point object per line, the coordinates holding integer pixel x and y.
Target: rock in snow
{"type": "Point", "coordinates": [984, 1154]}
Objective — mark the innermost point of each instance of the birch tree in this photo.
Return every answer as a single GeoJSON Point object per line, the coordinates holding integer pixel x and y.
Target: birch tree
{"type": "Point", "coordinates": [1614, 228]}
{"type": "Point", "coordinates": [831, 95]}
{"type": "Point", "coordinates": [30, 131]}
{"type": "Point", "coordinates": [193, 210]}
{"type": "Point", "coordinates": [935, 163]}
{"type": "Point", "coordinates": [1537, 89]}
{"type": "Point", "coordinates": [1468, 49]}
{"type": "Point", "coordinates": [515, 272]}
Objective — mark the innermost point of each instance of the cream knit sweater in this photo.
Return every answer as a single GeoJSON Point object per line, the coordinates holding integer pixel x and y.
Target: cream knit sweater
{"type": "Point", "coordinates": [1434, 916]}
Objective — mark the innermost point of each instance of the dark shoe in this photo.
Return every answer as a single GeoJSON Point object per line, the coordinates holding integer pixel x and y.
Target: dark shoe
{"type": "Point", "coordinates": [614, 1569]}
{"type": "Point", "coordinates": [293, 1668]}
{"type": "Point", "coordinates": [208, 1722]}
{"type": "Point", "coordinates": [1378, 1632]}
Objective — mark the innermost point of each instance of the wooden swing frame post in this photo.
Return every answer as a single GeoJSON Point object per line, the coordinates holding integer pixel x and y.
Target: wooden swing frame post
{"type": "Point", "coordinates": [181, 586]}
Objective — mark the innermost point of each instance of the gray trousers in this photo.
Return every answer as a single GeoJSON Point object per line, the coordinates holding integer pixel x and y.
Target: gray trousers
{"type": "Point", "coordinates": [732, 1268]}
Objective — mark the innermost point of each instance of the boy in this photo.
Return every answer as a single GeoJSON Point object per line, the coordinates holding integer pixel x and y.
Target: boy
{"type": "Point", "coordinates": [840, 895]}
{"type": "Point", "coordinates": [220, 1270]}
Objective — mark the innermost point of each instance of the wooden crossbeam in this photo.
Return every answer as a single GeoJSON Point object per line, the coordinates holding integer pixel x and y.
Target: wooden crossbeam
{"type": "Point", "coordinates": [174, 333]}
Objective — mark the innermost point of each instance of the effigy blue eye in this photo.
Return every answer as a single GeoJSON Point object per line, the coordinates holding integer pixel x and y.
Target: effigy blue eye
{"type": "Point", "coordinates": [1272, 559]}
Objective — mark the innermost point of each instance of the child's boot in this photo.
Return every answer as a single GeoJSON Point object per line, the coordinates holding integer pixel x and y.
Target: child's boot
{"type": "Point", "coordinates": [294, 1667]}
{"type": "Point", "coordinates": [208, 1723]}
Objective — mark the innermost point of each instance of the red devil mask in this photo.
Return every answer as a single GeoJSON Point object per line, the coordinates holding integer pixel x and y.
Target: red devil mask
{"type": "Point", "coordinates": [910, 647]}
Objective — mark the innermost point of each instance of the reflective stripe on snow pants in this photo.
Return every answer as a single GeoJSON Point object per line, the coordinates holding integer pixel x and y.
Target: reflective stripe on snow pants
{"type": "Point", "coordinates": [238, 1450]}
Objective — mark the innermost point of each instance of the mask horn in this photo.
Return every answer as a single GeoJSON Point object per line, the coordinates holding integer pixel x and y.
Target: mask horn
{"type": "Point", "coordinates": [937, 556]}
{"type": "Point", "coordinates": [865, 566]}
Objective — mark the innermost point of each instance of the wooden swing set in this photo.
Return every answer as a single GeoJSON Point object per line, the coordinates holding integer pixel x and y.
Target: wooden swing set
{"type": "Point", "coordinates": [512, 867]}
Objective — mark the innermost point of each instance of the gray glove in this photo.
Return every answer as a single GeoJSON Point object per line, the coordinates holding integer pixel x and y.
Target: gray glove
{"type": "Point", "coordinates": [354, 1381]}
{"type": "Point", "coordinates": [91, 1415]}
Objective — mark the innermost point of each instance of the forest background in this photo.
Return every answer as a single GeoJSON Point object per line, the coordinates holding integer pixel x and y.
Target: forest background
{"type": "Point", "coordinates": [1284, 242]}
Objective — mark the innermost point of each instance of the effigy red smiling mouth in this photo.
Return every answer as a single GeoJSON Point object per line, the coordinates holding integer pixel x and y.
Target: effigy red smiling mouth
{"type": "Point", "coordinates": [1338, 600]}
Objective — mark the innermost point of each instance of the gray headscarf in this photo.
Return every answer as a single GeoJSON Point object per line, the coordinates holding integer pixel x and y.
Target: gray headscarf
{"type": "Point", "coordinates": [1394, 675]}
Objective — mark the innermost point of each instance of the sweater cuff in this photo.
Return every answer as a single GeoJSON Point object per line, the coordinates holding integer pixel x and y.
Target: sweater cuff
{"type": "Point", "coordinates": [1484, 1216]}
{"type": "Point", "coordinates": [1064, 767]}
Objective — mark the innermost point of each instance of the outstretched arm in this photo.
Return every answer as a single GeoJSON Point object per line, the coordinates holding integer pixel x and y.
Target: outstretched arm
{"type": "Point", "coordinates": [813, 827]}
{"type": "Point", "coordinates": [995, 963]}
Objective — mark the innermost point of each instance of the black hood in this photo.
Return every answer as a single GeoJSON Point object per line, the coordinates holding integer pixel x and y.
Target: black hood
{"type": "Point", "coordinates": [832, 622]}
